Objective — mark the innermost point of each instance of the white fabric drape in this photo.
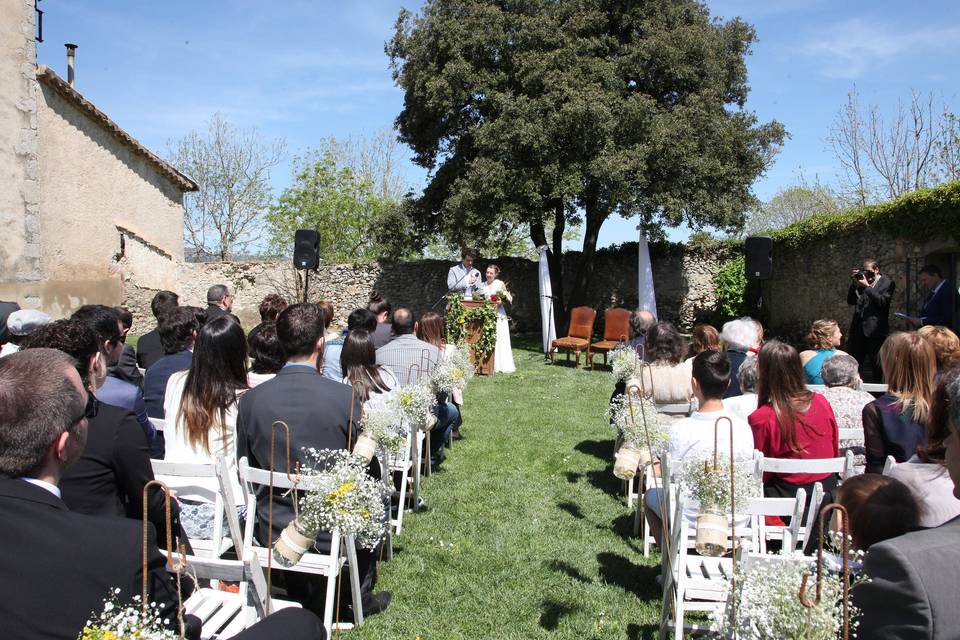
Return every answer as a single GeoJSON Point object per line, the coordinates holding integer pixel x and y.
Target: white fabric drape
{"type": "Point", "coordinates": [546, 301]}
{"type": "Point", "coordinates": [645, 294]}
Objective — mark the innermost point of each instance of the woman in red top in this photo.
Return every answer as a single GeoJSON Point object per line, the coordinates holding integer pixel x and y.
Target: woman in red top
{"type": "Point", "coordinates": [791, 422]}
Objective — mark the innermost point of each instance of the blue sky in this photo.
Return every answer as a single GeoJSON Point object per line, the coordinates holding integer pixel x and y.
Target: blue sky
{"type": "Point", "coordinates": [305, 70]}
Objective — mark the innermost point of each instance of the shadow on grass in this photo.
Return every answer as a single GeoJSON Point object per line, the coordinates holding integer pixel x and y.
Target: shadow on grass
{"type": "Point", "coordinates": [602, 449]}
{"type": "Point", "coordinates": [618, 570]}
{"type": "Point", "coordinates": [572, 477]}
{"type": "Point", "coordinates": [645, 632]}
{"type": "Point", "coordinates": [605, 481]}
{"type": "Point", "coordinates": [568, 569]}
{"type": "Point", "coordinates": [622, 525]}
{"type": "Point", "coordinates": [552, 612]}
{"type": "Point", "coordinates": [572, 508]}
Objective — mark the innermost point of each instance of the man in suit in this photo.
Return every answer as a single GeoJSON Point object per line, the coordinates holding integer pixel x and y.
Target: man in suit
{"type": "Point", "coordinates": [178, 330]}
{"type": "Point", "coordinates": [126, 368]}
{"type": "Point", "coordinates": [67, 563]}
{"type": "Point", "coordinates": [320, 415]}
{"type": "Point", "coordinates": [219, 301]}
{"type": "Point", "coordinates": [462, 277]}
{"type": "Point", "coordinates": [938, 305]}
{"type": "Point", "coordinates": [149, 347]}
{"type": "Point", "coordinates": [910, 595]}
{"type": "Point", "coordinates": [870, 294]}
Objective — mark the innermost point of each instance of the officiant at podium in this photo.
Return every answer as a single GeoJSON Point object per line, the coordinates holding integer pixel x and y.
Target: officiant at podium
{"type": "Point", "coordinates": [463, 278]}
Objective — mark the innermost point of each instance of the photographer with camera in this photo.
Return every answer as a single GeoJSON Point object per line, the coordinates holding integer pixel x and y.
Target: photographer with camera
{"type": "Point", "coordinates": [870, 294]}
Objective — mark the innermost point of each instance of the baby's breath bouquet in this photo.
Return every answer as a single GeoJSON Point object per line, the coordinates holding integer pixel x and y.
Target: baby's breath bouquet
{"type": "Point", "coordinates": [451, 375]}
{"type": "Point", "coordinates": [711, 487]}
{"type": "Point", "coordinates": [624, 363]}
{"type": "Point", "coordinates": [415, 402]}
{"type": "Point", "coordinates": [382, 428]}
{"type": "Point", "coordinates": [118, 622]}
{"type": "Point", "coordinates": [768, 606]}
{"type": "Point", "coordinates": [337, 494]}
{"type": "Point", "coordinates": [641, 429]}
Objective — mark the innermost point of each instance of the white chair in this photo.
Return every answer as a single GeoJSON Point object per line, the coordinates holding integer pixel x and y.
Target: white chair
{"type": "Point", "coordinates": [870, 387]}
{"type": "Point", "coordinates": [675, 409]}
{"type": "Point", "coordinates": [329, 565]}
{"type": "Point", "coordinates": [851, 434]}
{"type": "Point", "coordinates": [188, 479]}
{"type": "Point", "coordinates": [842, 465]}
{"type": "Point", "coordinates": [158, 423]}
{"type": "Point", "coordinates": [224, 614]}
{"type": "Point", "coordinates": [816, 387]}
{"type": "Point", "coordinates": [401, 463]}
{"type": "Point", "coordinates": [760, 508]}
{"type": "Point", "coordinates": [889, 464]}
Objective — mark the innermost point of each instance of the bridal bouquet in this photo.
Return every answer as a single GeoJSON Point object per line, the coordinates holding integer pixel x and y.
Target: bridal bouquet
{"type": "Point", "coordinates": [338, 495]}
{"type": "Point", "coordinates": [414, 403]}
{"type": "Point", "coordinates": [117, 622]}
{"type": "Point", "coordinates": [500, 296]}
{"type": "Point", "coordinates": [711, 488]}
{"type": "Point", "coordinates": [382, 428]}
{"type": "Point", "coordinates": [625, 363]}
{"type": "Point", "coordinates": [768, 604]}
{"type": "Point", "coordinates": [452, 373]}
{"type": "Point", "coordinates": [639, 425]}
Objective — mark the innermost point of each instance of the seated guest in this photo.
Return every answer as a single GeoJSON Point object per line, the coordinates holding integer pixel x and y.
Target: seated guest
{"type": "Point", "coordinates": [691, 439]}
{"type": "Point", "coordinates": [331, 329]}
{"type": "Point", "coordinates": [202, 407]}
{"type": "Point", "coordinates": [318, 412]}
{"type": "Point", "coordinates": [640, 323]}
{"type": "Point", "coordinates": [739, 338]}
{"type": "Point", "coordinates": [791, 422]}
{"type": "Point", "coordinates": [925, 472]}
{"type": "Point", "coordinates": [126, 368]}
{"type": "Point", "coordinates": [945, 343]}
{"type": "Point", "coordinates": [105, 322]}
{"type": "Point", "coordinates": [270, 307]}
{"type": "Point", "coordinates": [111, 471]}
{"type": "Point", "coordinates": [411, 360]}
{"type": "Point", "coordinates": [358, 319]}
{"type": "Point", "coordinates": [381, 308]}
{"type": "Point", "coordinates": [746, 403]}
{"type": "Point", "coordinates": [374, 384]}
{"type": "Point", "coordinates": [178, 330]}
{"type": "Point", "coordinates": [219, 301]}
{"type": "Point", "coordinates": [878, 507]}
{"type": "Point", "coordinates": [705, 337]}
{"type": "Point", "coordinates": [21, 324]}
{"type": "Point", "coordinates": [431, 329]}
{"type": "Point", "coordinates": [668, 377]}
{"type": "Point", "coordinates": [149, 347]}
{"type": "Point", "coordinates": [895, 423]}
{"type": "Point", "coordinates": [266, 354]}
{"type": "Point", "coordinates": [823, 339]}
{"type": "Point", "coordinates": [842, 376]}
{"type": "Point", "coordinates": [909, 595]}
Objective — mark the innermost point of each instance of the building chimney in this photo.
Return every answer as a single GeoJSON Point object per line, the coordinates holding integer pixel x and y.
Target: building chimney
{"type": "Point", "coordinates": [71, 56]}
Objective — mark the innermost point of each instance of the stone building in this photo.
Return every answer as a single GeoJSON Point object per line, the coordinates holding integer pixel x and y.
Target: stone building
{"type": "Point", "coordinates": [87, 212]}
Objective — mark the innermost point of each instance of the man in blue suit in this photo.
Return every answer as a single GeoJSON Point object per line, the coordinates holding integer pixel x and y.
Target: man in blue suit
{"type": "Point", "coordinates": [938, 305]}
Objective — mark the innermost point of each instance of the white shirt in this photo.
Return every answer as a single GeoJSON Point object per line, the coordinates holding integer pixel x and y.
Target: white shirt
{"type": "Point", "coordinates": [692, 438]}
{"type": "Point", "coordinates": [741, 406]}
{"type": "Point", "coordinates": [52, 488]}
{"type": "Point", "coordinates": [9, 348]}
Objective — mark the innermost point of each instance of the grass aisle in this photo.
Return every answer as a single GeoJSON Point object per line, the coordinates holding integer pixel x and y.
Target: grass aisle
{"type": "Point", "coordinates": [526, 534]}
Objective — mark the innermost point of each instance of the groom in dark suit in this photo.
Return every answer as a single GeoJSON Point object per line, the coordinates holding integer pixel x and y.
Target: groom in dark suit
{"type": "Point", "coordinates": [938, 305]}
{"type": "Point", "coordinates": [318, 412]}
{"type": "Point", "coordinates": [870, 294]}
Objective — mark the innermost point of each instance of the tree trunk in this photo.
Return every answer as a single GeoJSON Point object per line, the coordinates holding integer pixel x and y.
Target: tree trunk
{"type": "Point", "coordinates": [581, 282]}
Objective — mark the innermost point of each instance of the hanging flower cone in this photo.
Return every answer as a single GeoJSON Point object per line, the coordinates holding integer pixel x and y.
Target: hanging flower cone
{"type": "Point", "coordinates": [629, 458]}
{"type": "Point", "coordinates": [294, 541]}
{"type": "Point", "coordinates": [365, 447]}
{"type": "Point", "coordinates": [712, 530]}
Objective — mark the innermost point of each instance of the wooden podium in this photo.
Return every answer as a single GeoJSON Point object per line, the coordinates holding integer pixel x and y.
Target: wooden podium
{"type": "Point", "coordinates": [473, 328]}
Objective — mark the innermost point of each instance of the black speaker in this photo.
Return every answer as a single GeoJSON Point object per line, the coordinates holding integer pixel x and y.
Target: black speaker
{"type": "Point", "coordinates": [306, 249]}
{"type": "Point", "coordinates": [758, 252]}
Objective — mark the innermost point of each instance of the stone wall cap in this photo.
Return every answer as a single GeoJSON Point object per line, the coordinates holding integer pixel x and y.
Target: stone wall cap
{"type": "Point", "coordinates": [50, 78]}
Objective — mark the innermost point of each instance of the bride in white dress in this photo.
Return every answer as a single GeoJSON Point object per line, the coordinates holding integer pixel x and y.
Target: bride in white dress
{"type": "Point", "coordinates": [502, 354]}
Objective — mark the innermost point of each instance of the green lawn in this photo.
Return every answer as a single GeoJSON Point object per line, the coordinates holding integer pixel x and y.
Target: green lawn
{"type": "Point", "coordinates": [526, 534]}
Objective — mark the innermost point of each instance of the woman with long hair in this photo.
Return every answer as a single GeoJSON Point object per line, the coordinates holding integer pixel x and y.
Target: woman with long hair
{"type": "Point", "coordinates": [946, 346]}
{"type": "Point", "coordinates": [895, 424]}
{"type": "Point", "coordinates": [824, 338]}
{"type": "Point", "coordinates": [668, 377]}
{"type": "Point", "coordinates": [373, 383]}
{"type": "Point", "coordinates": [201, 409]}
{"type": "Point", "coordinates": [430, 328]}
{"type": "Point", "coordinates": [704, 337]}
{"type": "Point", "coordinates": [790, 421]}
{"type": "Point", "coordinates": [266, 354]}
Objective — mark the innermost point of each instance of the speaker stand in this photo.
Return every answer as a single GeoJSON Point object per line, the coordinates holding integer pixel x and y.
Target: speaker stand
{"type": "Point", "coordinates": [306, 283]}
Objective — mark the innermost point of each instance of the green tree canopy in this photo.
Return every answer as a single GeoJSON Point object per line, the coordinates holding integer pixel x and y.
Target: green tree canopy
{"type": "Point", "coordinates": [577, 110]}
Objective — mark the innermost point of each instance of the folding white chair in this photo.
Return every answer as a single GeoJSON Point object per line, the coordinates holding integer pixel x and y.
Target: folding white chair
{"type": "Point", "coordinates": [760, 508]}
{"type": "Point", "coordinates": [816, 387]}
{"type": "Point", "coordinates": [402, 464]}
{"type": "Point", "coordinates": [195, 479]}
{"type": "Point", "coordinates": [851, 434]}
{"type": "Point", "coordinates": [842, 465]}
{"type": "Point", "coordinates": [870, 387]}
{"type": "Point", "coordinates": [224, 614]}
{"type": "Point", "coordinates": [329, 565]}
{"type": "Point", "coordinates": [675, 409]}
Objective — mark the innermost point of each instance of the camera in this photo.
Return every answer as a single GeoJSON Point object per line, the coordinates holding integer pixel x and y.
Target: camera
{"type": "Point", "coordinates": [867, 274]}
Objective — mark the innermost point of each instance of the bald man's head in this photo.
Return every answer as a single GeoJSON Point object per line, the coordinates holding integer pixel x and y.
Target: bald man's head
{"type": "Point", "coordinates": [403, 321]}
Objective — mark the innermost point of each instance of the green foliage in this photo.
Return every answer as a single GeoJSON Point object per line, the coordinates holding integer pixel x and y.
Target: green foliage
{"type": "Point", "coordinates": [346, 209]}
{"type": "Point", "coordinates": [730, 282]}
{"type": "Point", "coordinates": [918, 216]}
{"type": "Point", "coordinates": [459, 316]}
{"type": "Point", "coordinates": [791, 205]}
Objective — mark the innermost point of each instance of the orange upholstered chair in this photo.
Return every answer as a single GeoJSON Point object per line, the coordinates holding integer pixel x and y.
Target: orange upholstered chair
{"type": "Point", "coordinates": [616, 329]}
{"type": "Point", "coordinates": [579, 334]}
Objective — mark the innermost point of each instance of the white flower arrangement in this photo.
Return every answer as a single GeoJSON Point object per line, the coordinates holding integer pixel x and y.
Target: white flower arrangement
{"type": "Point", "coordinates": [118, 622]}
{"type": "Point", "coordinates": [768, 606]}
{"type": "Point", "coordinates": [452, 373]}
{"type": "Point", "coordinates": [625, 363]}
{"type": "Point", "coordinates": [385, 426]}
{"type": "Point", "coordinates": [342, 496]}
{"type": "Point", "coordinates": [711, 487]}
{"type": "Point", "coordinates": [635, 426]}
{"type": "Point", "coordinates": [415, 402]}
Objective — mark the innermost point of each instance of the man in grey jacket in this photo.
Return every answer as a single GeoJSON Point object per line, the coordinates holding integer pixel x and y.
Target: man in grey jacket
{"type": "Point", "coordinates": [912, 578]}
